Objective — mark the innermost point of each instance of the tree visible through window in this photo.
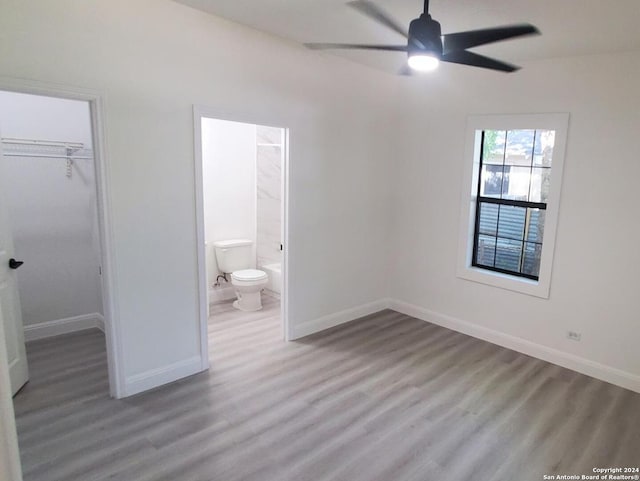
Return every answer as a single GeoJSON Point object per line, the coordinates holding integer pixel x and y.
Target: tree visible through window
{"type": "Point", "coordinates": [513, 187]}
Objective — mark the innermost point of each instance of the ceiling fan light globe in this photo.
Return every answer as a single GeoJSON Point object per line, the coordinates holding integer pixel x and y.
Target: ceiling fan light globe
{"type": "Point", "coordinates": [423, 62]}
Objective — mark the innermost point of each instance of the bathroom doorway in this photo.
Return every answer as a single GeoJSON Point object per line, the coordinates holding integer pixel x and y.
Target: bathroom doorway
{"type": "Point", "coordinates": [242, 192]}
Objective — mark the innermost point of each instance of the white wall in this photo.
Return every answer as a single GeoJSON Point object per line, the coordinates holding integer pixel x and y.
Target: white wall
{"type": "Point", "coordinates": [594, 285]}
{"type": "Point", "coordinates": [229, 178]}
{"type": "Point", "coordinates": [154, 59]}
{"type": "Point", "coordinates": [53, 217]}
{"type": "Point", "coordinates": [44, 118]}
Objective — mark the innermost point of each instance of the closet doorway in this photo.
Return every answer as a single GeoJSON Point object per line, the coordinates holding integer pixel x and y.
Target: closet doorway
{"type": "Point", "coordinates": [54, 300]}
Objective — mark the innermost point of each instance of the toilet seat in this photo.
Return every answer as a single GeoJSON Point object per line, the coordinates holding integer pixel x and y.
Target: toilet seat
{"type": "Point", "coordinates": [248, 277]}
{"type": "Point", "coordinates": [249, 284]}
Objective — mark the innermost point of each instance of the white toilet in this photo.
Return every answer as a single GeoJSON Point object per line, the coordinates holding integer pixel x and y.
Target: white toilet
{"type": "Point", "coordinates": [235, 257]}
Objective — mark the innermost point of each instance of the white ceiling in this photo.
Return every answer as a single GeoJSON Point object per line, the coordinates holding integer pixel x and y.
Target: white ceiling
{"type": "Point", "coordinates": [569, 27]}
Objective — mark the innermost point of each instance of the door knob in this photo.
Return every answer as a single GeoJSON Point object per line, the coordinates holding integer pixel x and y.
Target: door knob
{"type": "Point", "coordinates": [14, 264]}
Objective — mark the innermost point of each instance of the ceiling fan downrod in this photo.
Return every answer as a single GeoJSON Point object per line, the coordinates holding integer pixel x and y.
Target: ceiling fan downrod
{"type": "Point", "coordinates": [426, 7]}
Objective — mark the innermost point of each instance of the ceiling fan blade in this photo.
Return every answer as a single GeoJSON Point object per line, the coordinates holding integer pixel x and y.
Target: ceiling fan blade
{"type": "Point", "coordinates": [374, 12]}
{"type": "Point", "coordinates": [353, 46]}
{"type": "Point", "coordinates": [462, 40]}
{"type": "Point", "coordinates": [473, 59]}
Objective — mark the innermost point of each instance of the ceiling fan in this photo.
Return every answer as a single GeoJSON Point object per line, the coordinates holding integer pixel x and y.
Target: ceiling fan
{"type": "Point", "coordinates": [426, 46]}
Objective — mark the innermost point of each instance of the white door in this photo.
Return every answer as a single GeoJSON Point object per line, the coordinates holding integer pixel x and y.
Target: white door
{"type": "Point", "coordinates": [9, 300]}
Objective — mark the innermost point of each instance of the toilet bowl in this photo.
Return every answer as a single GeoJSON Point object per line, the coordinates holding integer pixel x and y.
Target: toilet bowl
{"type": "Point", "coordinates": [248, 284]}
{"type": "Point", "coordinates": [236, 257]}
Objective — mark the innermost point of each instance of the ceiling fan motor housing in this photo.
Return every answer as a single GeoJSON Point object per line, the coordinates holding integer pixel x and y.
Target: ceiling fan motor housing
{"type": "Point", "coordinates": [425, 37]}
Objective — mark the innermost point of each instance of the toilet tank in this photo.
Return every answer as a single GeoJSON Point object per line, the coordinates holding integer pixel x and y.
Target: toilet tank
{"type": "Point", "coordinates": [234, 255]}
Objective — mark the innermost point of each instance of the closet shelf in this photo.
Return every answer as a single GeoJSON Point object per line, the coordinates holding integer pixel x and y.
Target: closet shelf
{"type": "Point", "coordinates": [45, 149]}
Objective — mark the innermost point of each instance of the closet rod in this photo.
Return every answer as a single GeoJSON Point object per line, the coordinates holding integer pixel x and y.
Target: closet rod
{"type": "Point", "coordinates": [71, 157]}
{"type": "Point", "coordinates": [43, 143]}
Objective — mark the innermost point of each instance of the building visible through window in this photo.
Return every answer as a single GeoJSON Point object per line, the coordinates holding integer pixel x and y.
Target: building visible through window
{"type": "Point", "coordinates": [513, 189]}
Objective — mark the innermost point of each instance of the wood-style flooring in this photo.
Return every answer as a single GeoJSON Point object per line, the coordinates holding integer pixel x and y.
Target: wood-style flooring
{"type": "Point", "coordinates": [385, 398]}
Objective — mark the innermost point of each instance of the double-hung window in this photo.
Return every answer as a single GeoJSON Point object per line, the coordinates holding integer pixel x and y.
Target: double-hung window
{"type": "Point", "coordinates": [511, 200]}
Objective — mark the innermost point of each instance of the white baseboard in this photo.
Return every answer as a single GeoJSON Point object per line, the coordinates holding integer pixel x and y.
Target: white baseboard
{"type": "Point", "coordinates": [100, 322]}
{"type": "Point", "coordinates": [157, 377]}
{"type": "Point", "coordinates": [337, 318]}
{"type": "Point", "coordinates": [63, 326]}
{"type": "Point", "coordinates": [570, 361]}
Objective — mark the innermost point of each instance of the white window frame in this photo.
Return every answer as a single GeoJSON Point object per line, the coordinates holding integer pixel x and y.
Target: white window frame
{"type": "Point", "coordinates": [475, 125]}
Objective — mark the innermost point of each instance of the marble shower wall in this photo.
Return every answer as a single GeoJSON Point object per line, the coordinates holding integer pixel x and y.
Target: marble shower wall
{"type": "Point", "coordinates": [268, 183]}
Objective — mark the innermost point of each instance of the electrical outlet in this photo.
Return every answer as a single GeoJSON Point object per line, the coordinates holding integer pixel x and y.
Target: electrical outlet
{"type": "Point", "coordinates": [573, 335]}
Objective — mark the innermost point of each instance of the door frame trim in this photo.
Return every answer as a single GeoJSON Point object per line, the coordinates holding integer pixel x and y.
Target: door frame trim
{"type": "Point", "coordinates": [10, 468]}
{"type": "Point", "coordinates": [103, 198]}
{"type": "Point", "coordinates": [200, 112]}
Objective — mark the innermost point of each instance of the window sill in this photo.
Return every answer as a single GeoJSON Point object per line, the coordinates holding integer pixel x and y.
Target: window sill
{"type": "Point", "coordinates": [505, 281]}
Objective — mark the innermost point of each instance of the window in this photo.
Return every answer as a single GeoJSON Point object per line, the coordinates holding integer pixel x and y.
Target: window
{"type": "Point", "coordinates": [511, 200]}
{"type": "Point", "coordinates": [513, 188]}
